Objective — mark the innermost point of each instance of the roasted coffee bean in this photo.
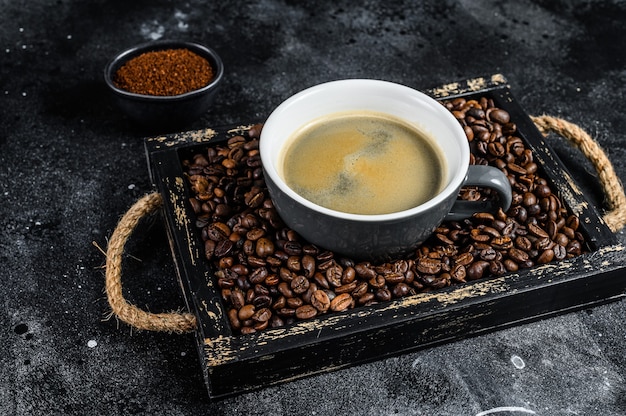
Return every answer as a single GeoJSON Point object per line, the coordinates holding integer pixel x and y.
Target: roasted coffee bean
{"type": "Point", "coordinates": [240, 269]}
{"type": "Point", "coordinates": [428, 265]}
{"type": "Point", "coordinates": [258, 275]}
{"type": "Point", "coordinates": [435, 282]}
{"type": "Point", "coordinates": [458, 273]}
{"type": "Point", "coordinates": [279, 303]}
{"type": "Point", "coordinates": [306, 312]}
{"type": "Point", "coordinates": [543, 243]}
{"type": "Point", "coordinates": [276, 322]}
{"type": "Point", "coordinates": [383, 294]}
{"type": "Point", "coordinates": [262, 301]}
{"type": "Point", "coordinates": [299, 284]}
{"type": "Point", "coordinates": [529, 199]}
{"type": "Point", "coordinates": [348, 275]}
{"type": "Point", "coordinates": [209, 249]}
{"type": "Point", "coordinates": [237, 298]}
{"type": "Point", "coordinates": [400, 290]}
{"type": "Point", "coordinates": [560, 252]}
{"type": "Point", "coordinates": [308, 265]}
{"type": "Point", "coordinates": [227, 263]}
{"type": "Point", "coordinates": [364, 271]}
{"type": "Point", "coordinates": [477, 269]}
{"type": "Point", "coordinates": [294, 303]}
{"type": "Point", "coordinates": [546, 257]}
{"type": "Point", "coordinates": [272, 280]}
{"type": "Point", "coordinates": [285, 289]}
{"type": "Point", "coordinates": [490, 231]}
{"type": "Point", "coordinates": [464, 259]}
{"type": "Point", "coordinates": [497, 268]}
{"type": "Point", "coordinates": [499, 116]}
{"type": "Point", "coordinates": [246, 312]}
{"type": "Point", "coordinates": [377, 281]}
{"type": "Point", "coordinates": [444, 239]}
{"type": "Point", "coordinates": [293, 248]}
{"type": "Point", "coordinates": [334, 274]}
{"type": "Point", "coordinates": [573, 222]}
{"type": "Point", "coordinates": [233, 318]}
{"type": "Point", "coordinates": [223, 248]}
{"type": "Point", "coordinates": [537, 231]}
{"type": "Point", "coordinates": [262, 315]}
{"type": "Point", "coordinates": [320, 300]}
{"type": "Point", "coordinates": [255, 233]}
{"type": "Point", "coordinates": [366, 299]}
{"type": "Point", "coordinates": [523, 243]}
{"type": "Point", "coordinates": [286, 312]}
{"type": "Point", "coordinates": [510, 265]}
{"type": "Point", "coordinates": [341, 302]}
{"type": "Point", "coordinates": [517, 255]}
{"type": "Point", "coordinates": [502, 243]}
{"type": "Point", "coordinates": [574, 247]}
{"type": "Point", "coordinates": [321, 280]}
{"type": "Point", "coordinates": [488, 254]}
{"type": "Point", "coordinates": [254, 261]}
{"type": "Point", "coordinates": [306, 296]}
{"type": "Point", "coordinates": [393, 278]}
{"type": "Point", "coordinates": [360, 289]}
{"type": "Point", "coordinates": [478, 236]}
{"type": "Point", "coordinates": [561, 239]}
{"type": "Point", "coordinates": [496, 149]}
{"type": "Point", "coordinates": [285, 274]}
{"type": "Point", "coordinates": [293, 263]}
{"type": "Point", "coordinates": [218, 231]}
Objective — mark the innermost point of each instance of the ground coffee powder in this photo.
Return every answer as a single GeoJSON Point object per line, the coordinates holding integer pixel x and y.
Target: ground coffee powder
{"type": "Point", "coordinates": [164, 73]}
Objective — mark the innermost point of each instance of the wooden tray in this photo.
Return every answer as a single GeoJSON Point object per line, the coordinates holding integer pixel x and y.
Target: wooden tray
{"type": "Point", "coordinates": [236, 363]}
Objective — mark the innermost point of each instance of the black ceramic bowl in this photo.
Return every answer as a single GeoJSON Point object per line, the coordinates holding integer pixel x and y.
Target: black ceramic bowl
{"type": "Point", "coordinates": [171, 111]}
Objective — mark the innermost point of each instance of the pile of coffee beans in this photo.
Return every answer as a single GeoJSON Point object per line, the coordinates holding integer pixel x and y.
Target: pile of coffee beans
{"type": "Point", "coordinates": [269, 276]}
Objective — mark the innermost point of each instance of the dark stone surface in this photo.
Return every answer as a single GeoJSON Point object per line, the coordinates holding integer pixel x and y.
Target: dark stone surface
{"type": "Point", "coordinates": [71, 165]}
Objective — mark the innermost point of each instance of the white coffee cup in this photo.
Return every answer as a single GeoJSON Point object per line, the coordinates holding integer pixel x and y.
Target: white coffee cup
{"type": "Point", "coordinates": [380, 236]}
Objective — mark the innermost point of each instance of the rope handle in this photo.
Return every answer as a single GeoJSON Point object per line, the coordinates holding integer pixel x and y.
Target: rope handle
{"type": "Point", "coordinates": [185, 322]}
{"type": "Point", "coordinates": [615, 218]}
{"type": "Point", "coordinates": [164, 322]}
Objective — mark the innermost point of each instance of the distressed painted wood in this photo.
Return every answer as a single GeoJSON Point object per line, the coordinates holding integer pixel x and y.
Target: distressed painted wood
{"type": "Point", "coordinates": [236, 363]}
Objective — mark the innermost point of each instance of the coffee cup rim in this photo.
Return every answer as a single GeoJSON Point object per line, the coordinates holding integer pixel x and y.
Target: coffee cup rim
{"type": "Point", "coordinates": [273, 121]}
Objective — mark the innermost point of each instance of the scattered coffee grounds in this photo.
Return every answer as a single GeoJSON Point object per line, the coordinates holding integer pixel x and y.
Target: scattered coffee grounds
{"type": "Point", "coordinates": [166, 72]}
{"type": "Point", "coordinates": [269, 276]}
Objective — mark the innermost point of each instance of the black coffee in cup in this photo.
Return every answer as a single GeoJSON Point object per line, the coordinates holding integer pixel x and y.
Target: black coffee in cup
{"type": "Point", "coordinates": [363, 162]}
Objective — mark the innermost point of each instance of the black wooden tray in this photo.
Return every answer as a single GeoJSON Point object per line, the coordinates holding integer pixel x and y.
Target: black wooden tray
{"type": "Point", "coordinates": [234, 363]}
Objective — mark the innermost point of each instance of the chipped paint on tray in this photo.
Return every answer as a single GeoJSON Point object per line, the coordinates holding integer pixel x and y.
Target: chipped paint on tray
{"type": "Point", "coordinates": [471, 85]}
{"type": "Point", "coordinates": [180, 216]}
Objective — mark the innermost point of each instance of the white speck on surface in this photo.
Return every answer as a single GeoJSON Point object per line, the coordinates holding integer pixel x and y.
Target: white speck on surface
{"type": "Point", "coordinates": [518, 362]}
{"type": "Point", "coordinates": [69, 36]}
{"type": "Point", "coordinates": [92, 343]}
{"type": "Point", "coordinates": [131, 186]}
{"type": "Point", "coordinates": [181, 17]}
{"type": "Point", "coordinates": [152, 30]}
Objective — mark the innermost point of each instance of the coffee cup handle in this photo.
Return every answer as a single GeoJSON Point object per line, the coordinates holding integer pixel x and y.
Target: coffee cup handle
{"type": "Point", "coordinates": [485, 177]}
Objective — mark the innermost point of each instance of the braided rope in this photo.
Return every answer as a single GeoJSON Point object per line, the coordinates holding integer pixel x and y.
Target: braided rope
{"type": "Point", "coordinates": [132, 315]}
{"type": "Point", "coordinates": [611, 185]}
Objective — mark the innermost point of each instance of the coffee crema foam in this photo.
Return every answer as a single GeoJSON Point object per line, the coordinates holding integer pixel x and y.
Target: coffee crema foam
{"type": "Point", "coordinates": [363, 163]}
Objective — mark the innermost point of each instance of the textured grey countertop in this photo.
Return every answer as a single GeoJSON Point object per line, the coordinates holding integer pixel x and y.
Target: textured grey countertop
{"type": "Point", "coordinates": [71, 165]}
